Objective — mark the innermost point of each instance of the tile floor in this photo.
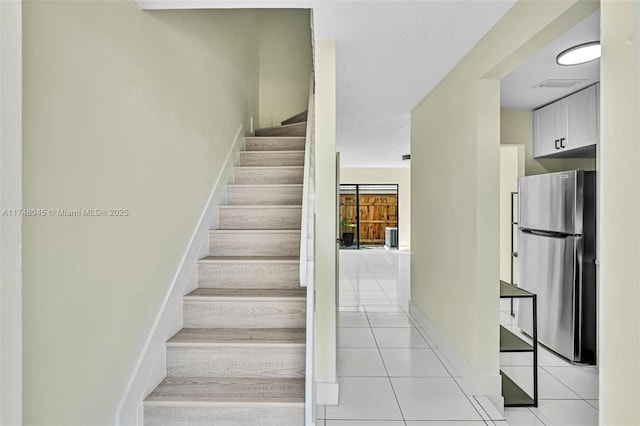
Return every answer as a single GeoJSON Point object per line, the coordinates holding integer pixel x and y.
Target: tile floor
{"type": "Point", "coordinates": [391, 373]}
{"type": "Point", "coordinates": [568, 394]}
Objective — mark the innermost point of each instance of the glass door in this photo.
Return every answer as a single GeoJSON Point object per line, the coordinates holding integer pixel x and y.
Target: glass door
{"type": "Point", "coordinates": [349, 217]}
{"type": "Point", "coordinates": [369, 216]}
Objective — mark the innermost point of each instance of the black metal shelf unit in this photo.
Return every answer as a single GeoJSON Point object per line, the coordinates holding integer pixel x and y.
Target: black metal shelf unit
{"type": "Point", "coordinates": [514, 395]}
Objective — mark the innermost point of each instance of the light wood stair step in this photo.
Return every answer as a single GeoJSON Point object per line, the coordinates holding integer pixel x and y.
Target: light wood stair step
{"type": "Point", "coordinates": [295, 129]}
{"type": "Point", "coordinates": [275, 194]}
{"type": "Point", "coordinates": [260, 217]}
{"type": "Point", "coordinates": [239, 308]}
{"type": "Point", "coordinates": [278, 242]}
{"type": "Point", "coordinates": [249, 272]}
{"type": "Point", "coordinates": [268, 174]}
{"type": "Point", "coordinates": [298, 118]}
{"type": "Point", "coordinates": [247, 294]}
{"type": "Point", "coordinates": [238, 336]}
{"type": "Point", "coordinates": [236, 353]}
{"type": "Point", "coordinates": [272, 158]}
{"type": "Point", "coordinates": [200, 401]}
{"type": "Point", "coordinates": [228, 414]}
{"type": "Point", "coordinates": [223, 390]}
{"type": "Point", "coordinates": [271, 143]}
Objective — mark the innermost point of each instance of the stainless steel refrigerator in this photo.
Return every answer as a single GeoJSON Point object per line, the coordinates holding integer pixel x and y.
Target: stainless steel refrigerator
{"type": "Point", "coordinates": [557, 260]}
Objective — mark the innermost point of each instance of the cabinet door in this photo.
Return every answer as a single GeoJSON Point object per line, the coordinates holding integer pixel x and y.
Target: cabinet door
{"type": "Point", "coordinates": [581, 121]}
{"type": "Point", "coordinates": [545, 124]}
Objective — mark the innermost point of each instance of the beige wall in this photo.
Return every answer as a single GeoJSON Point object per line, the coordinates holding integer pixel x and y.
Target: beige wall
{"type": "Point", "coordinates": [455, 137]}
{"type": "Point", "coordinates": [511, 168]}
{"type": "Point", "coordinates": [10, 226]}
{"type": "Point", "coordinates": [516, 127]}
{"type": "Point", "coordinates": [122, 109]}
{"type": "Point", "coordinates": [401, 176]}
{"type": "Point", "coordinates": [285, 64]}
{"type": "Point", "coordinates": [325, 202]}
{"type": "Point", "coordinates": [619, 165]}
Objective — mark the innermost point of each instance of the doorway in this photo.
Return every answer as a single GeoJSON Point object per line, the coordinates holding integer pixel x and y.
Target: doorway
{"type": "Point", "coordinates": [369, 216]}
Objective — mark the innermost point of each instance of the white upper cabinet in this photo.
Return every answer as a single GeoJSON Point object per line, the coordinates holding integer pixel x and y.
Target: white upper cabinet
{"type": "Point", "coordinates": [567, 127]}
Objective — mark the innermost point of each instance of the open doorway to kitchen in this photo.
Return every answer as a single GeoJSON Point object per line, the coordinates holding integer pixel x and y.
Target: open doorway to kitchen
{"type": "Point", "coordinates": [369, 216]}
{"type": "Point", "coordinates": [541, 98]}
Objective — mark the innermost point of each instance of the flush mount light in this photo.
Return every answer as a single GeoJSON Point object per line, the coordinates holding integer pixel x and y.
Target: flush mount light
{"type": "Point", "coordinates": [579, 54]}
{"type": "Point", "coordinates": [406, 157]}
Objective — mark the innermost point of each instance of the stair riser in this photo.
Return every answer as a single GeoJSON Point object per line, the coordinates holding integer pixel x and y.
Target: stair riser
{"type": "Point", "coordinates": [274, 144]}
{"type": "Point", "coordinates": [264, 196]}
{"type": "Point", "coordinates": [268, 176]}
{"type": "Point", "coordinates": [241, 361]}
{"type": "Point", "coordinates": [224, 416]}
{"type": "Point", "coordinates": [256, 158]}
{"type": "Point", "coordinates": [254, 244]}
{"type": "Point", "coordinates": [221, 313]}
{"type": "Point", "coordinates": [298, 129]}
{"type": "Point", "coordinates": [248, 275]}
{"type": "Point", "coordinates": [260, 218]}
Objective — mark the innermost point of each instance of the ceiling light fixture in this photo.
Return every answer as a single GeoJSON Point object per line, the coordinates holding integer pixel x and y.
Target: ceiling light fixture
{"type": "Point", "coordinates": [579, 54]}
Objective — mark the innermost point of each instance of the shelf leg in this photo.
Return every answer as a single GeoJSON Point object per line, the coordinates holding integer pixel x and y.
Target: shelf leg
{"type": "Point", "coordinates": [535, 351]}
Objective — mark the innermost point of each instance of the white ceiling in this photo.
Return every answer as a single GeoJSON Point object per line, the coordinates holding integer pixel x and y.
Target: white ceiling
{"type": "Point", "coordinates": [389, 56]}
{"type": "Point", "coordinates": [518, 89]}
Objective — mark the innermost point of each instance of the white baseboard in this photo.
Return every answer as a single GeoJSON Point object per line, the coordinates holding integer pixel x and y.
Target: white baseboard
{"type": "Point", "coordinates": [484, 387]}
{"type": "Point", "coordinates": [327, 393]}
{"type": "Point", "coordinates": [151, 366]}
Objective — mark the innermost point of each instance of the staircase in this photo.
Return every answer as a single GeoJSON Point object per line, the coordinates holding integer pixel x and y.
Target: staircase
{"type": "Point", "coordinates": [240, 358]}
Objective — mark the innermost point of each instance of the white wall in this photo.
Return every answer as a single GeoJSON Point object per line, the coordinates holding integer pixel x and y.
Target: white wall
{"type": "Point", "coordinates": [285, 64]}
{"type": "Point", "coordinates": [455, 137]}
{"type": "Point", "coordinates": [619, 166]}
{"type": "Point", "coordinates": [122, 109]}
{"type": "Point", "coordinates": [516, 127]}
{"type": "Point", "coordinates": [10, 226]}
{"type": "Point", "coordinates": [325, 242]}
{"type": "Point", "coordinates": [401, 176]}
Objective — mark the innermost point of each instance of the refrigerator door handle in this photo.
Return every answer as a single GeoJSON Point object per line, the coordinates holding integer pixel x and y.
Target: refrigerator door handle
{"type": "Point", "coordinates": [546, 234]}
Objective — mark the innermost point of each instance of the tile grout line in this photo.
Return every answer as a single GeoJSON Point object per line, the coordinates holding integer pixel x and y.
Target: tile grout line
{"type": "Point", "coordinates": [384, 364]}
{"type": "Point", "coordinates": [451, 376]}
{"type": "Point", "coordinates": [534, 415]}
{"type": "Point", "coordinates": [544, 367]}
{"type": "Point", "coordinates": [470, 402]}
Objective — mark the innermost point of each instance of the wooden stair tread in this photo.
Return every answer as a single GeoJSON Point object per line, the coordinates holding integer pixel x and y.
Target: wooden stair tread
{"type": "Point", "coordinates": [228, 390]}
{"type": "Point", "coordinates": [265, 131]}
{"type": "Point", "coordinates": [250, 259]}
{"type": "Point", "coordinates": [270, 167]}
{"type": "Point", "coordinates": [270, 293]}
{"type": "Point", "coordinates": [284, 126]}
{"type": "Point", "coordinates": [256, 138]}
{"type": "Point", "coordinates": [239, 335]}
{"type": "Point", "coordinates": [245, 207]}
{"type": "Point", "coordinates": [297, 151]}
{"type": "Point", "coordinates": [266, 185]}
{"type": "Point", "coordinates": [253, 231]}
{"type": "Point", "coordinates": [297, 118]}
{"type": "Point", "coordinates": [260, 206]}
